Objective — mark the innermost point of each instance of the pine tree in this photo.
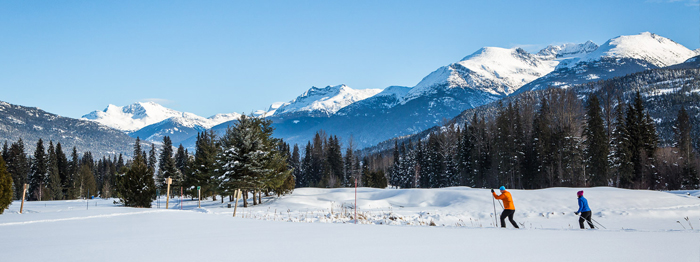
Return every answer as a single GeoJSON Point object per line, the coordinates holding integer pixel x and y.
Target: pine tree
{"type": "Point", "coordinates": [304, 178]}
{"type": "Point", "coordinates": [167, 167]}
{"type": "Point", "coordinates": [63, 168]}
{"type": "Point", "coordinates": [5, 186]}
{"type": "Point", "coordinates": [296, 165]}
{"type": "Point", "coordinates": [686, 154]}
{"type": "Point", "coordinates": [205, 163]}
{"type": "Point", "coordinates": [74, 176]}
{"type": "Point", "coordinates": [597, 144]}
{"type": "Point", "coordinates": [55, 186]}
{"type": "Point", "coordinates": [152, 157]}
{"type": "Point", "coordinates": [18, 166]}
{"type": "Point", "coordinates": [136, 186]}
{"type": "Point", "coordinates": [37, 179]}
{"type": "Point", "coordinates": [395, 173]}
{"type": "Point", "coordinates": [5, 150]}
{"type": "Point", "coordinates": [88, 186]}
{"type": "Point", "coordinates": [248, 158]}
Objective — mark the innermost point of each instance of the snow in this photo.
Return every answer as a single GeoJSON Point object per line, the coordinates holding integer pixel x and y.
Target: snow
{"type": "Point", "coordinates": [658, 50]}
{"type": "Point", "coordinates": [641, 226]}
{"type": "Point", "coordinates": [500, 71]}
{"type": "Point", "coordinates": [141, 114]}
{"type": "Point", "coordinates": [327, 100]}
{"type": "Point", "coordinates": [270, 110]}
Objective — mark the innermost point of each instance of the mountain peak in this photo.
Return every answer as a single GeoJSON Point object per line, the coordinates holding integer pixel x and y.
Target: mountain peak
{"type": "Point", "coordinates": [567, 50]}
{"type": "Point", "coordinates": [141, 114]}
{"type": "Point", "coordinates": [653, 48]}
{"type": "Point", "coordinates": [327, 100]}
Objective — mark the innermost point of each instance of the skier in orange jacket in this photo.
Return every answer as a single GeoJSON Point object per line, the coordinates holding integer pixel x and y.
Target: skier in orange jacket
{"type": "Point", "coordinates": [508, 207]}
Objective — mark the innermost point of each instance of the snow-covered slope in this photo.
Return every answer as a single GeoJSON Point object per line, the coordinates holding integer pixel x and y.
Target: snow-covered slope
{"type": "Point", "coordinates": [641, 226]}
{"type": "Point", "coordinates": [141, 114]}
{"type": "Point", "coordinates": [325, 101]}
{"type": "Point", "coordinates": [499, 71]}
{"type": "Point", "coordinates": [655, 49]}
{"type": "Point", "coordinates": [618, 56]}
{"type": "Point", "coordinates": [568, 50]}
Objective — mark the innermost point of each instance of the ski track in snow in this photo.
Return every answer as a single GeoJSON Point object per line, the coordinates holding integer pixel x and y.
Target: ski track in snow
{"type": "Point", "coordinates": [78, 218]}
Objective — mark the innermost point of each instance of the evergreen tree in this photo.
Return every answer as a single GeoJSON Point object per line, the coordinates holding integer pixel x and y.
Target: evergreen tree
{"type": "Point", "coordinates": [686, 155]}
{"type": "Point", "coordinates": [136, 186]}
{"type": "Point", "coordinates": [37, 179]}
{"type": "Point", "coordinates": [63, 168]}
{"type": "Point", "coordinates": [395, 173]}
{"type": "Point", "coordinates": [152, 158]}
{"type": "Point", "coordinates": [167, 167]}
{"type": "Point", "coordinates": [296, 165]}
{"type": "Point", "coordinates": [55, 186]}
{"type": "Point", "coordinates": [88, 186]}
{"type": "Point", "coordinates": [249, 159]}
{"type": "Point", "coordinates": [597, 144]}
{"type": "Point", "coordinates": [333, 164]}
{"type": "Point", "coordinates": [137, 148]}
{"type": "Point", "coordinates": [5, 150]}
{"type": "Point", "coordinates": [5, 186]}
{"type": "Point", "coordinates": [205, 163]}
{"type": "Point", "coordinates": [304, 177]}
{"type": "Point", "coordinates": [18, 166]}
{"type": "Point", "coordinates": [542, 136]}
{"type": "Point", "coordinates": [74, 176]}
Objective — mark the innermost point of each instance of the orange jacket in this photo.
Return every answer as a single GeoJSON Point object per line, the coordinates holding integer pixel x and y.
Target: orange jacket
{"type": "Point", "coordinates": [507, 200]}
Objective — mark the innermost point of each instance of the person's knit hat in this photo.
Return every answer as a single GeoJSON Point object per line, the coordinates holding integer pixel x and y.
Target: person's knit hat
{"type": "Point", "coordinates": [579, 193]}
{"type": "Point", "coordinates": [502, 188]}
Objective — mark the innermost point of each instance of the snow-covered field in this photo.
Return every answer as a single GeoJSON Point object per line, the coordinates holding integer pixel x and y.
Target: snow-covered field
{"type": "Point", "coordinates": [317, 225]}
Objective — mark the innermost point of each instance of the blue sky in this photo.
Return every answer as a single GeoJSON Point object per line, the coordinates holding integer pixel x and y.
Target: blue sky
{"type": "Point", "coordinates": [208, 57]}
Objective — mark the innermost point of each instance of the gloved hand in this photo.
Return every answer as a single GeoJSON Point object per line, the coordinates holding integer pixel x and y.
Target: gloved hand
{"type": "Point", "coordinates": [576, 213]}
{"type": "Point", "coordinates": [492, 190]}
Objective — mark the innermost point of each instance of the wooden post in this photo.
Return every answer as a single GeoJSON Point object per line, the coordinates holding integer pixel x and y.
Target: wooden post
{"type": "Point", "coordinates": [167, 197]}
{"type": "Point", "coordinates": [24, 192]}
{"type": "Point", "coordinates": [180, 198]}
{"type": "Point", "coordinates": [355, 200]}
{"type": "Point", "coordinates": [236, 195]}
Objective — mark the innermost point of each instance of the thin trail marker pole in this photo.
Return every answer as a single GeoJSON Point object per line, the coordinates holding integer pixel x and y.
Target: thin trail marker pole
{"type": "Point", "coordinates": [236, 196]}
{"type": "Point", "coordinates": [167, 196]}
{"type": "Point", "coordinates": [494, 210]}
{"type": "Point", "coordinates": [24, 192]}
{"type": "Point", "coordinates": [356, 200]}
{"type": "Point", "coordinates": [87, 200]}
{"type": "Point", "coordinates": [199, 197]}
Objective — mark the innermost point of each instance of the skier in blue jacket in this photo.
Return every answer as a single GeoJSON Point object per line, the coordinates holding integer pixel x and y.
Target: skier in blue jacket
{"type": "Point", "coordinates": [584, 210]}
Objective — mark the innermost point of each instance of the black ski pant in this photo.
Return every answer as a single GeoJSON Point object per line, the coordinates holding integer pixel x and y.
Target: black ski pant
{"type": "Point", "coordinates": [508, 213]}
{"type": "Point", "coordinates": [585, 216]}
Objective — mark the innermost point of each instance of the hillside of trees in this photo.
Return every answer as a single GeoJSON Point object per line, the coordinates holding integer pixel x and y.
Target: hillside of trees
{"type": "Point", "coordinates": [247, 157]}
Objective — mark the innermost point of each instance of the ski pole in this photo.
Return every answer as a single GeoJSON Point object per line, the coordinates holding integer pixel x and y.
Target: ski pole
{"type": "Point", "coordinates": [494, 210]}
{"type": "Point", "coordinates": [598, 223]}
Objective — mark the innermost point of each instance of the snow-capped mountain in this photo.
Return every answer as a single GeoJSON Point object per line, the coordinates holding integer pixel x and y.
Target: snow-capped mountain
{"type": "Point", "coordinates": [270, 110]}
{"type": "Point", "coordinates": [31, 124]}
{"type": "Point", "coordinates": [151, 121]}
{"type": "Point", "coordinates": [324, 101]}
{"type": "Point", "coordinates": [492, 70]}
{"type": "Point", "coordinates": [374, 115]}
{"type": "Point", "coordinates": [618, 56]}
{"type": "Point", "coordinates": [566, 51]}
{"type": "Point", "coordinates": [141, 114]}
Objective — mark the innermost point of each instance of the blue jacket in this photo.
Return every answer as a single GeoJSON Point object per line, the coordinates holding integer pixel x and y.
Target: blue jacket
{"type": "Point", "coordinates": [583, 205]}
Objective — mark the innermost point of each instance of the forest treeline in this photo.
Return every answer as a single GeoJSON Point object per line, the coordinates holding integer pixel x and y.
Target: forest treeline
{"type": "Point", "coordinates": [556, 141]}
{"type": "Point", "coordinates": [246, 157]}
